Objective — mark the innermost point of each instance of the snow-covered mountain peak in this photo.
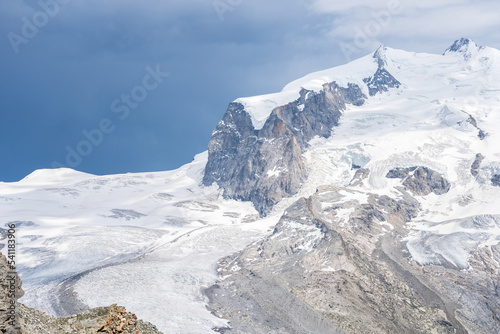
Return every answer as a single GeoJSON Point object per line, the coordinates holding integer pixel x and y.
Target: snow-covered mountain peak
{"type": "Point", "coordinates": [51, 176]}
{"type": "Point", "coordinates": [465, 47]}
{"type": "Point", "coordinates": [462, 45]}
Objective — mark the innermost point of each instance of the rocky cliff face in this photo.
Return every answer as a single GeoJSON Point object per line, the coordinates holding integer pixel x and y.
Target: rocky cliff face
{"type": "Point", "coordinates": [16, 318]}
{"type": "Point", "coordinates": [263, 166]}
{"type": "Point", "coordinates": [337, 262]}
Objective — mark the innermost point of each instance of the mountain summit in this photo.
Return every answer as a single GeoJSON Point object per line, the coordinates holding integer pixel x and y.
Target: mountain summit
{"type": "Point", "coordinates": [462, 45]}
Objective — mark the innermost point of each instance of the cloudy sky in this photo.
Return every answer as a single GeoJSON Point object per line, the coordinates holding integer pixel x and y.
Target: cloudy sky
{"type": "Point", "coordinates": [126, 86]}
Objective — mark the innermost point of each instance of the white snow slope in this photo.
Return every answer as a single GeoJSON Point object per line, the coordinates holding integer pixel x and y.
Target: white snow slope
{"type": "Point", "coordinates": [150, 241]}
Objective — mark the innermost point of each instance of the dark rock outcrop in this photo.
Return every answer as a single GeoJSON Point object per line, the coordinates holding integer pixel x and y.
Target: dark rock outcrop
{"type": "Point", "coordinates": [463, 46]}
{"type": "Point", "coordinates": [460, 45]}
{"type": "Point", "coordinates": [421, 180]}
{"type": "Point", "coordinates": [495, 180]}
{"type": "Point", "coordinates": [381, 82]}
{"type": "Point", "coordinates": [358, 178]}
{"type": "Point", "coordinates": [474, 169]}
{"type": "Point", "coordinates": [400, 173]}
{"type": "Point", "coordinates": [265, 165]}
{"type": "Point", "coordinates": [472, 121]}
